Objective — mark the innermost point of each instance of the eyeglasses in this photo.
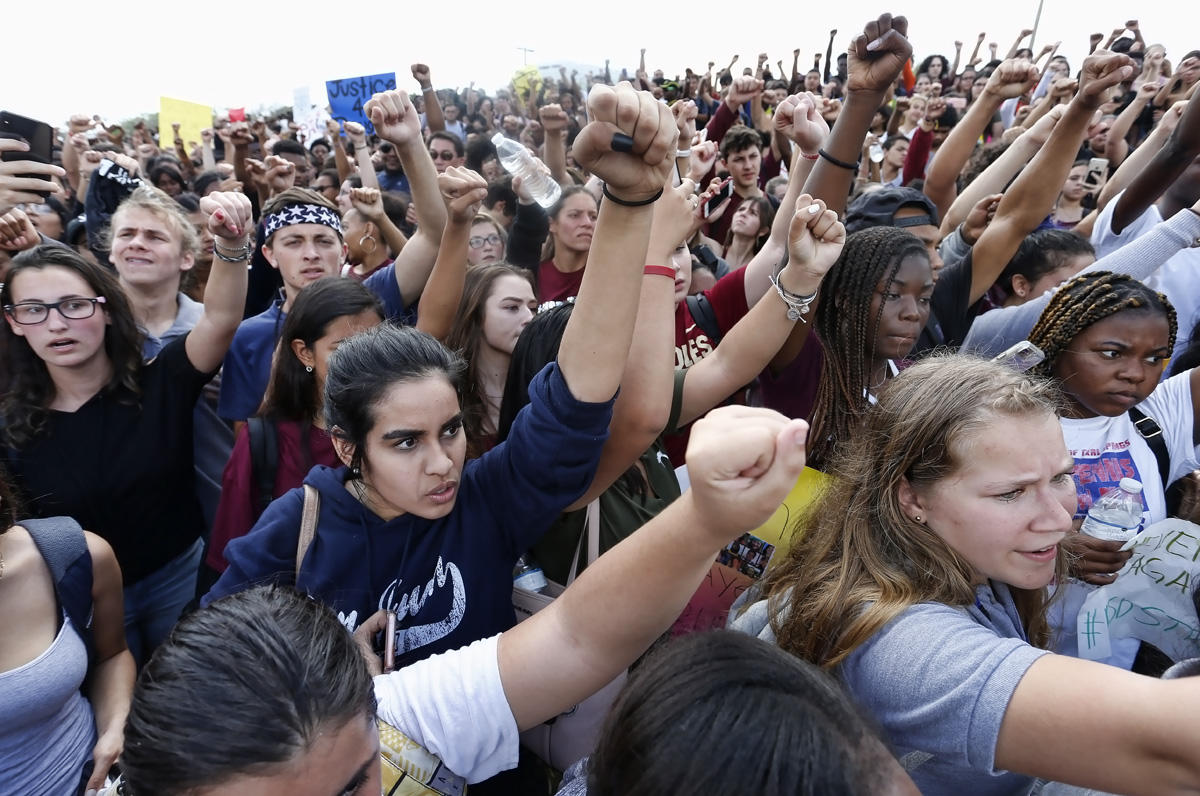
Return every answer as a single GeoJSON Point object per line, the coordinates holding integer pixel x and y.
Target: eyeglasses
{"type": "Point", "coordinates": [443, 155]}
{"type": "Point", "coordinates": [31, 313]}
{"type": "Point", "coordinates": [479, 241]}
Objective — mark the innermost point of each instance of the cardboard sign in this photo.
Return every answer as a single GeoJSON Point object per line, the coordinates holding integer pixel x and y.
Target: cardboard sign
{"type": "Point", "coordinates": [744, 561]}
{"type": "Point", "coordinates": [192, 117]}
{"type": "Point", "coordinates": [1151, 599]}
{"type": "Point", "coordinates": [348, 96]}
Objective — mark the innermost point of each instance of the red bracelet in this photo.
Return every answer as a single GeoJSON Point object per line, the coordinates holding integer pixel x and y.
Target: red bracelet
{"type": "Point", "coordinates": [660, 270]}
{"type": "Point", "coordinates": [806, 156]}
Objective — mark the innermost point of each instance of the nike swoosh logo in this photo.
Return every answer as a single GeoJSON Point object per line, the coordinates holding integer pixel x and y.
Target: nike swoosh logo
{"type": "Point", "coordinates": [689, 329]}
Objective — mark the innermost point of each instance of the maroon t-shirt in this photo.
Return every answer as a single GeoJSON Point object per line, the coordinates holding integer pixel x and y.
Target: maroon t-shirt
{"type": "Point", "coordinates": [554, 285]}
{"type": "Point", "coordinates": [728, 300]}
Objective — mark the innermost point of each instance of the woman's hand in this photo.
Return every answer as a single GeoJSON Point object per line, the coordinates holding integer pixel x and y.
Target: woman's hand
{"type": "Point", "coordinates": [742, 462]}
{"type": "Point", "coordinates": [368, 202]}
{"type": "Point", "coordinates": [229, 216]}
{"type": "Point", "coordinates": [104, 756]}
{"type": "Point", "coordinates": [674, 214]}
{"type": "Point", "coordinates": [17, 232]}
{"type": "Point", "coordinates": [364, 637]}
{"type": "Point", "coordinates": [394, 117]}
{"type": "Point", "coordinates": [815, 240]}
{"type": "Point", "coordinates": [463, 191]}
{"type": "Point", "coordinates": [799, 119]}
{"type": "Point", "coordinates": [1092, 560]}
{"type": "Point", "coordinates": [639, 170]}
{"type": "Point", "coordinates": [878, 54]}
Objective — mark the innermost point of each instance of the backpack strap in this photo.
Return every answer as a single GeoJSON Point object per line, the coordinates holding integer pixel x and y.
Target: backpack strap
{"type": "Point", "coordinates": [264, 457]}
{"type": "Point", "coordinates": [62, 544]}
{"type": "Point", "coordinates": [1152, 433]}
{"type": "Point", "coordinates": [704, 316]}
{"type": "Point", "coordinates": [308, 523]}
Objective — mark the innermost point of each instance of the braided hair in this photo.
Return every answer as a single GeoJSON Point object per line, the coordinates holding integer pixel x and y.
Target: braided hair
{"type": "Point", "coordinates": [870, 258]}
{"type": "Point", "coordinates": [1087, 299]}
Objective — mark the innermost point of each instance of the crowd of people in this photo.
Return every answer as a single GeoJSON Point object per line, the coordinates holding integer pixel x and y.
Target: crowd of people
{"type": "Point", "coordinates": [281, 418]}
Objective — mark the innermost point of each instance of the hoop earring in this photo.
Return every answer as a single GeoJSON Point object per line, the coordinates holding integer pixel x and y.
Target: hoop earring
{"type": "Point", "coordinates": [308, 368]}
{"type": "Point", "coordinates": [374, 243]}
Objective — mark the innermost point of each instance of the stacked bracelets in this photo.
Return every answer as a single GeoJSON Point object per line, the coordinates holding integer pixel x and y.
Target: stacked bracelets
{"type": "Point", "coordinates": [797, 305]}
{"type": "Point", "coordinates": [232, 255]}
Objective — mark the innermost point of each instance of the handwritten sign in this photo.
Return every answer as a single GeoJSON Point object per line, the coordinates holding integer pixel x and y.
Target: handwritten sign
{"type": "Point", "coordinates": [744, 561]}
{"type": "Point", "coordinates": [1151, 598]}
{"type": "Point", "coordinates": [348, 96]}
{"type": "Point", "coordinates": [191, 117]}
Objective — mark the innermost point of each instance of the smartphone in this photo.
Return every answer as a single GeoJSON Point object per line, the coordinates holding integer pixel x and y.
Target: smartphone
{"type": "Point", "coordinates": [389, 643]}
{"type": "Point", "coordinates": [39, 136]}
{"type": "Point", "coordinates": [1097, 172]}
{"type": "Point", "coordinates": [1020, 357]}
{"type": "Point", "coordinates": [711, 205]}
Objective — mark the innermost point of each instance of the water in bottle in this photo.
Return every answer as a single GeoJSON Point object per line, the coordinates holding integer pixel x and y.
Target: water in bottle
{"type": "Point", "coordinates": [1117, 516]}
{"type": "Point", "coordinates": [528, 575]}
{"type": "Point", "coordinates": [519, 163]}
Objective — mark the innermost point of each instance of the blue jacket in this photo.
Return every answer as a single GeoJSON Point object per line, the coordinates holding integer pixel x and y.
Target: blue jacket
{"type": "Point", "coordinates": [450, 579]}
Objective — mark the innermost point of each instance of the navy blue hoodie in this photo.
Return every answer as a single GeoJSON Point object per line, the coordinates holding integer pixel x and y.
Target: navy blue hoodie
{"type": "Point", "coordinates": [450, 579]}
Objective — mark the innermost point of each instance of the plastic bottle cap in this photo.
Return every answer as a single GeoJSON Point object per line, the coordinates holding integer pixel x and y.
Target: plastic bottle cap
{"type": "Point", "coordinates": [1131, 485]}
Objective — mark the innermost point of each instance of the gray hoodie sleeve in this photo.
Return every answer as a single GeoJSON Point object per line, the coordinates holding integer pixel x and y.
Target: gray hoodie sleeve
{"type": "Point", "coordinates": [994, 331]}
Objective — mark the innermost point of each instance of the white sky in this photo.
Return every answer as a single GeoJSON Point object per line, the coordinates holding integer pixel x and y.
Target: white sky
{"type": "Point", "coordinates": [117, 62]}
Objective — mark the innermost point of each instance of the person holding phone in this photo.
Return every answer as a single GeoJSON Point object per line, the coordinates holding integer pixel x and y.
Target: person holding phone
{"type": "Point", "coordinates": [92, 432]}
{"type": "Point", "coordinates": [24, 177]}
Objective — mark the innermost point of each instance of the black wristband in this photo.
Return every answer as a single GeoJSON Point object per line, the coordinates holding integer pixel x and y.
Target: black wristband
{"type": "Point", "coordinates": [627, 203]}
{"type": "Point", "coordinates": [836, 162]}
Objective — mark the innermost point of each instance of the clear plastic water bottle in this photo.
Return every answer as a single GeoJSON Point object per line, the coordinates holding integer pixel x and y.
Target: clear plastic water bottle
{"type": "Point", "coordinates": [519, 163]}
{"type": "Point", "coordinates": [1117, 516]}
{"type": "Point", "coordinates": [876, 152]}
{"type": "Point", "coordinates": [528, 575]}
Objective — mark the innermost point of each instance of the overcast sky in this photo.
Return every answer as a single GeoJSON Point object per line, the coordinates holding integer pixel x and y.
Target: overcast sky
{"type": "Point", "coordinates": [119, 60]}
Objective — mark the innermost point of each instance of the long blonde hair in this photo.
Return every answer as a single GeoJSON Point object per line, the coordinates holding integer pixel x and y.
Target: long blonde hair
{"type": "Point", "coordinates": [861, 560]}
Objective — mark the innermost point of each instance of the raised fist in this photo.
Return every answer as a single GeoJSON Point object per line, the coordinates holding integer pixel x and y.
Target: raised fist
{"type": "Point", "coordinates": [878, 54]}
{"type": "Point", "coordinates": [633, 171]}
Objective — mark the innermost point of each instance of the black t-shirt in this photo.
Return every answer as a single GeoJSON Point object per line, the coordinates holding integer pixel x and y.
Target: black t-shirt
{"type": "Point", "coordinates": [950, 312]}
{"type": "Point", "coordinates": [122, 465]}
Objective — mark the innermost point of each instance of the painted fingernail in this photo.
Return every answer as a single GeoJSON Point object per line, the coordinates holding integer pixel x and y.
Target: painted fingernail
{"type": "Point", "coordinates": [875, 44]}
{"type": "Point", "coordinates": [622, 143]}
{"type": "Point", "coordinates": [814, 209]}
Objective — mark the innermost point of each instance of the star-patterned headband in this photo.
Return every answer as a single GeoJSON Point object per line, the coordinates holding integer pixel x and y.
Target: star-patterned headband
{"type": "Point", "coordinates": [301, 214]}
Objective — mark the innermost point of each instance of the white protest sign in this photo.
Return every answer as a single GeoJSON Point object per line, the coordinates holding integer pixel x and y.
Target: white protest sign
{"type": "Point", "coordinates": [1151, 599]}
{"type": "Point", "coordinates": [309, 116]}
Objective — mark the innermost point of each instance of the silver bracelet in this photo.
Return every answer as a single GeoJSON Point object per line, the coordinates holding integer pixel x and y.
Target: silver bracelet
{"type": "Point", "coordinates": [798, 306]}
{"type": "Point", "coordinates": [233, 255]}
{"type": "Point", "coordinates": [683, 153]}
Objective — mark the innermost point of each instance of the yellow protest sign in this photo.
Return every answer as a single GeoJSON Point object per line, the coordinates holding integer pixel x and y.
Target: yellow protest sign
{"type": "Point", "coordinates": [191, 117]}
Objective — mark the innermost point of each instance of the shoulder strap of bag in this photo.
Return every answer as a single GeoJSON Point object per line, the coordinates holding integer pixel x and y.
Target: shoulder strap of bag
{"type": "Point", "coordinates": [308, 523]}
{"type": "Point", "coordinates": [592, 532]}
{"type": "Point", "coordinates": [704, 316]}
{"type": "Point", "coordinates": [61, 542]}
{"type": "Point", "coordinates": [264, 457]}
{"type": "Point", "coordinates": [1152, 433]}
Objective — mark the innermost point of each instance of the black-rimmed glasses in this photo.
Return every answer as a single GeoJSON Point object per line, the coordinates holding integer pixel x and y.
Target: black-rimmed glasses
{"type": "Point", "coordinates": [31, 313]}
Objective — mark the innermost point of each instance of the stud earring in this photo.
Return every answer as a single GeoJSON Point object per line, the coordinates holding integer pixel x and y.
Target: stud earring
{"type": "Point", "coordinates": [308, 368]}
{"type": "Point", "coordinates": [918, 518]}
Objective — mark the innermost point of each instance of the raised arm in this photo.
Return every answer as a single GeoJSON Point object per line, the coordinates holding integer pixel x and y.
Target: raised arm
{"type": "Point", "coordinates": [554, 146]}
{"type": "Point", "coordinates": [1016, 45]}
{"type": "Point", "coordinates": [815, 241]}
{"type": "Point", "coordinates": [462, 191]}
{"type": "Point", "coordinates": [369, 202]}
{"type": "Point", "coordinates": [1163, 169]}
{"type": "Point", "coordinates": [434, 119]}
{"type": "Point", "coordinates": [875, 58]}
{"type": "Point", "coordinates": [1117, 147]}
{"type": "Point", "coordinates": [1136, 162]}
{"type": "Point", "coordinates": [742, 461]}
{"type": "Point", "coordinates": [333, 131]}
{"type": "Point", "coordinates": [798, 119]}
{"type": "Point", "coordinates": [1001, 171]}
{"type": "Point", "coordinates": [396, 121]}
{"type": "Point", "coordinates": [1010, 79]}
{"type": "Point", "coordinates": [597, 338]}
{"type": "Point", "coordinates": [230, 221]}
{"type": "Point", "coordinates": [1031, 198]}
{"type": "Point", "coordinates": [974, 59]}
{"type": "Point", "coordinates": [362, 154]}
{"type": "Point", "coordinates": [643, 406]}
